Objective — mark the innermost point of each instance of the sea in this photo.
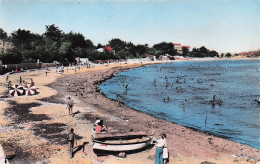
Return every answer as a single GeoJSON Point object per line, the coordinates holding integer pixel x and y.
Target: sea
{"type": "Point", "coordinates": [182, 92]}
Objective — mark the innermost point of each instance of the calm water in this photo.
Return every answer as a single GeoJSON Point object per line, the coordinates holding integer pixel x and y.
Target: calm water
{"type": "Point", "coordinates": [235, 83]}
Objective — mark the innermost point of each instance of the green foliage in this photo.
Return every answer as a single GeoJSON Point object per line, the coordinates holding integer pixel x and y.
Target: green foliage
{"type": "Point", "coordinates": [3, 34]}
{"type": "Point", "coordinates": [117, 44]}
{"type": "Point", "coordinates": [21, 38]}
{"type": "Point", "coordinates": [11, 56]}
{"type": "Point", "coordinates": [164, 48]}
{"type": "Point", "coordinates": [55, 45]}
{"type": "Point", "coordinates": [185, 51]}
{"type": "Point", "coordinates": [228, 55]}
{"type": "Point", "coordinates": [213, 54]}
{"type": "Point", "coordinates": [53, 33]}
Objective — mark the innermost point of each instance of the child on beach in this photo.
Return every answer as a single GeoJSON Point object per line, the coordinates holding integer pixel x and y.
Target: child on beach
{"type": "Point", "coordinates": [101, 127]}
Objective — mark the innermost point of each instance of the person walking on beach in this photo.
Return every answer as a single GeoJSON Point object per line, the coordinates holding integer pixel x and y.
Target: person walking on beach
{"type": "Point", "coordinates": [21, 80]}
{"type": "Point", "coordinates": [7, 77]}
{"type": "Point", "coordinates": [161, 154]}
{"type": "Point", "coordinates": [68, 86]}
{"type": "Point", "coordinates": [9, 84]}
{"type": "Point", "coordinates": [71, 139]}
{"type": "Point", "coordinates": [70, 105]}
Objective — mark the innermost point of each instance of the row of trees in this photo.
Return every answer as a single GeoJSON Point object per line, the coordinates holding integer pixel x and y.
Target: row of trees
{"type": "Point", "coordinates": [56, 45]}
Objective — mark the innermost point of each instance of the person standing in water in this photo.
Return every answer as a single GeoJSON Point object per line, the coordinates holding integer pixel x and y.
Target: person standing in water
{"type": "Point", "coordinates": [118, 100]}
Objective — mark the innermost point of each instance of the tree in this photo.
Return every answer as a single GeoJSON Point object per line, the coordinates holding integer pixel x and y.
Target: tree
{"type": "Point", "coordinates": [203, 51]}
{"type": "Point", "coordinates": [21, 38]}
{"type": "Point", "coordinates": [117, 44]}
{"type": "Point", "coordinates": [228, 55]}
{"type": "Point", "coordinates": [3, 34]}
{"type": "Point", "coordinates": [213, 54]}
{"type": "Point", "coordinates": [140, 50]}
{"type": "Point", "coordinates": [195, 53]}
{"type": "Point", "coordinates": [89, 44]}
{"type": "Point", "coordinates": [65, 52]}
{"type": "Point", "coordinates": [99, 46]}
{"type": "Point", "coordinates": [164, 48]}
{"type": "Point", "coordinates": [185, 51]}
{"type": "Point", "coordinates": [11, 56]}
{"type": "Point", "coordinates": [53, 33]}
{"type": "Point", "coordinates": [76, 40]}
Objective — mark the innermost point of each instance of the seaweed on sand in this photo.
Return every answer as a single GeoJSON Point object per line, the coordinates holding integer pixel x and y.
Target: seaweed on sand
{"type": "Point", "coordinates": [20, 113]}
{"type": "Point", "coordinates": [53, 99]}
{"type": "Point", "coordinates": [56, 133]}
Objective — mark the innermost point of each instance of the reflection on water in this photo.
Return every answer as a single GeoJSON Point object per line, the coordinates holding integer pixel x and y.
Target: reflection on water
{"type": "Point", "coordinates": [182, 92]}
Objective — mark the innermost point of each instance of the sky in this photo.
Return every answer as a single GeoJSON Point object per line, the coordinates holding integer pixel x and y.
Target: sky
{"type": "Point", "coordinates": [221, 25]}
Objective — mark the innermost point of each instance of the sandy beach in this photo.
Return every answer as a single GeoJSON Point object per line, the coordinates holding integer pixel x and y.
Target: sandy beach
{"type": "Point", "coordinates": [34, 128]}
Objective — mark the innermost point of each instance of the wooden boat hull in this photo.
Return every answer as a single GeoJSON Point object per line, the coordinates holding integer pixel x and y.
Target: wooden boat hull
{"type": "Point", "coordinates": [3, 159]}
{"type": "Point", "coordinates": [121, 147]}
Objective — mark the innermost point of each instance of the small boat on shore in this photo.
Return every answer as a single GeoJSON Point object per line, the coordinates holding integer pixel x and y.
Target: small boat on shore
{"type": "Point", "coordinates": [116, 142]}
{"type": "Point", "coordinates": [3, 159]}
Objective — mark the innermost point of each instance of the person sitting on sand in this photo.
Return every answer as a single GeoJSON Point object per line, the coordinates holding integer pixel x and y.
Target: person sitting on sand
{"type": "Point", "coordinates": [97, 121]}
{"type": "Point", "coordinates": [100, 127]}
{"type": "Point", "coordinates": [70, 105]}
{"type": "Point", "coordinates": [32, 82]}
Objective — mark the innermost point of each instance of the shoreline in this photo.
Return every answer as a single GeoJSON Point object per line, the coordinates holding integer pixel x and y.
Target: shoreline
{"type": "Point", "coordinates": [140, 121]}
{"type": "Point", "coordinates": [186, 145]}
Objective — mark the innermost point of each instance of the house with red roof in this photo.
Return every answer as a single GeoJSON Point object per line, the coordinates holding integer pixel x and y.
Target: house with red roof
{"type": "Point", "coordinates": [177, 46]}
{"type": "Point", "coordinates": [108, 48]}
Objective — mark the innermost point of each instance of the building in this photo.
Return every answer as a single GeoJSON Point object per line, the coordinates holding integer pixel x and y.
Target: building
{"type": "Point", "coordinates": [108, 48]}
{"type": "Point", "coordinates": [151, 57]}
{"type": "Point", "coordinates": [5, 45]}
{"type": "Point", "coordinates": [185, 46]}
{"type": "Point", "coordinates": [82, 60]}
{"type": "Point", "coordinates": [177, 46]}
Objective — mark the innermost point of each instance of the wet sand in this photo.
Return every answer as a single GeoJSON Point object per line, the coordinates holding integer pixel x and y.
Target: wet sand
{"type": "Point", "coordinates": [45, 121]}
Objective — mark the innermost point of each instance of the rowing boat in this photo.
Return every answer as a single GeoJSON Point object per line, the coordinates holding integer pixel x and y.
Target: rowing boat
{"type": "Point", "coordinates": [121, 142]}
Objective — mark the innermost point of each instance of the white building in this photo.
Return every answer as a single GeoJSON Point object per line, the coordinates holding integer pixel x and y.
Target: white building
{"type": "Point", "coordinates": [177, 46]}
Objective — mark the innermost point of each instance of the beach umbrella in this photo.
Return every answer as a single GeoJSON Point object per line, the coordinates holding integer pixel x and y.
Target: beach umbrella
{"type": "Point", "coordinates": [29, 90]}
{"type": "Point", "coordinates": [16, 90]}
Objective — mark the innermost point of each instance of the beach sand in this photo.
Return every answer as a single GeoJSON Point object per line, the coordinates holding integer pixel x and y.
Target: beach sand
{"type": "Point", "coordinates": [34, 128]}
